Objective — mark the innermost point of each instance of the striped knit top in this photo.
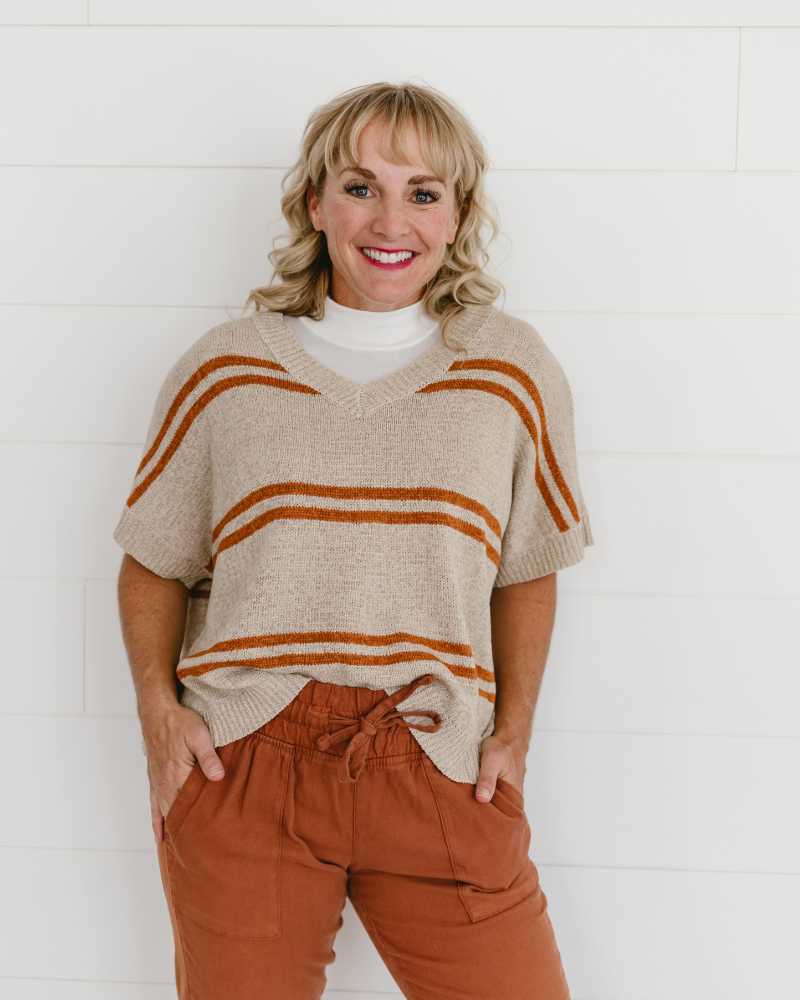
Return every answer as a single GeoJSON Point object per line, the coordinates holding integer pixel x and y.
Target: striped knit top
{"type": "Point", "coordinates": [352, 534]}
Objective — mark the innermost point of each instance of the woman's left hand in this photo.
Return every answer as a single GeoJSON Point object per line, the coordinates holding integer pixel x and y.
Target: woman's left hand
{"type": "Point", "coordinates": [499, 759]}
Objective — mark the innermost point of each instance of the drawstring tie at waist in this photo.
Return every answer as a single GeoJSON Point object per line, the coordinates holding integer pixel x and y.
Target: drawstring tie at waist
{"type": "Point", "coordinates": [360, 731]}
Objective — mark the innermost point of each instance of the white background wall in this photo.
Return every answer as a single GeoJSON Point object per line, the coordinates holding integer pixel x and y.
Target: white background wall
{"type": "Point", "coordinates": [647, 170]}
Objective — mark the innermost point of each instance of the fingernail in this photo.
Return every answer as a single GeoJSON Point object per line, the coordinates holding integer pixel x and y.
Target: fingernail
{"type": "Point", "coordinates": [483, 793]}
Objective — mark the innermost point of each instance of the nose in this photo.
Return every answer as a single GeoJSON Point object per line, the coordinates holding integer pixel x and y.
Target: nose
{"type": "Point", "coordinates": [391, 222]}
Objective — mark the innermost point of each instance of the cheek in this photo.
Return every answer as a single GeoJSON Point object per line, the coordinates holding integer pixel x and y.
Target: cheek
{"type": "Point", "coordinates": [343, 222]}
{"type": "Point", "coordinates": [435, 228]}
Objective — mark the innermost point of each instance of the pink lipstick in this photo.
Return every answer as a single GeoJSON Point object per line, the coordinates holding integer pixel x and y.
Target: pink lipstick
{"type": "Point", "coordinates": [389, 260]}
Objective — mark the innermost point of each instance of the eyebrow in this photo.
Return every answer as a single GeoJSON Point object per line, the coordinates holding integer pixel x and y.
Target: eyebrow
{"type": "Point", "coordinates": [425, 179]}
{"type": "Point", "coordinates": [361, 171]}
{"type": "Point", "coordinates": [417, 179]}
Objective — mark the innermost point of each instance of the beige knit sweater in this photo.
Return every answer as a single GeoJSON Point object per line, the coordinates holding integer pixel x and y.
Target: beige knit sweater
{"type": "Point", "coordinates": [353, 534]}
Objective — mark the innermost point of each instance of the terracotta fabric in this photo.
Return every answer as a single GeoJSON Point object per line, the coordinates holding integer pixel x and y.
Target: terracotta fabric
{"type": "Point", "coordinates": [257, 867]}
{"type": "Point", "coordinates": [358, 732]}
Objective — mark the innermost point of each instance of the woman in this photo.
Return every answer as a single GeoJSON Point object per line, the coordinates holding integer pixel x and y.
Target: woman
{"type": "Point", "coordinates": [362, 493]}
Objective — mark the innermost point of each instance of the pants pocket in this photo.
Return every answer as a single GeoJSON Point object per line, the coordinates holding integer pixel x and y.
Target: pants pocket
{"type": "Point", "coordinates": [488, 844]}
{"type": "Point", "coordinates": [223, 843]}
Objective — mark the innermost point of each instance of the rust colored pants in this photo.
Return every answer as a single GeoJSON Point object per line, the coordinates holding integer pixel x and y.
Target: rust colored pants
{"type": "Point", "coordinates": [257, 866]}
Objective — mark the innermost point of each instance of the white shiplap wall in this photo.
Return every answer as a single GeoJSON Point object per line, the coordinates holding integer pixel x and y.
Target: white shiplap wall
{"type": "Point", "coordinates": [647, 169]}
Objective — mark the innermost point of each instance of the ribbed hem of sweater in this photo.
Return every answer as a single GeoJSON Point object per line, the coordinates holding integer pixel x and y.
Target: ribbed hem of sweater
{"type": "Point", "coordinates": [552, 555]}
{"type": "Point", "coordinates": [154, 552]}
{"type": "Point", "coordinates": [232, 714]}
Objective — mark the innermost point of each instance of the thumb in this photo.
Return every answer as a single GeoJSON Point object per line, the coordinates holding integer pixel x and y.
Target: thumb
{"type": "Point", "coordinates": [203, 749]}
{"type": "Point", "coordinates": [491, 766]}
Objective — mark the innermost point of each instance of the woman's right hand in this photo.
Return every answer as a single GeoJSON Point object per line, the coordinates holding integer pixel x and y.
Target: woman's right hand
{"type": "Point", "coordinates": [175, 738]}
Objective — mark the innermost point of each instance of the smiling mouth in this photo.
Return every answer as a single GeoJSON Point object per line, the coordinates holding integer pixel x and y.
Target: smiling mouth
{"type": "Point", "coordinates": [387, 257]}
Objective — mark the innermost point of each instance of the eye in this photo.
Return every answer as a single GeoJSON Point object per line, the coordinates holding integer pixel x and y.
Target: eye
{"type": "Point", "coordinates": [358, 189]}
{"type": "Point", "coordinates": [424, 197]}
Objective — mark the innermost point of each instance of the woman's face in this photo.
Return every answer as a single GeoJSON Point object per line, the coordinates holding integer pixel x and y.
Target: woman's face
{"type": "Point", "coordinates": [379, 209]}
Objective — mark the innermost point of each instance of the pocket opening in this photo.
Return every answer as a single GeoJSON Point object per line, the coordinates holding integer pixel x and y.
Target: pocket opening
{"type": "Point", "coordinates": [224, 856]}
{"type": "Point", "coordinates": [488, 846]}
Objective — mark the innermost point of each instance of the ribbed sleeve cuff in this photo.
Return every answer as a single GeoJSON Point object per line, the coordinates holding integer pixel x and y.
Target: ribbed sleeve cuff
{"type": "Point", "coordinates": [155, 552]}
{"type": "Point", "coordinates": [552, 555]}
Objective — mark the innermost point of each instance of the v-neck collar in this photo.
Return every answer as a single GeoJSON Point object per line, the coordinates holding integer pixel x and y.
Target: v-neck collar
{"type": "Point", "coordinates": [362, 400]}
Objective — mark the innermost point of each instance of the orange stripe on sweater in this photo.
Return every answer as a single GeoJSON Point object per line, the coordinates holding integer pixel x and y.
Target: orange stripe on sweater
{"type": "Point", "coordinates": [226, 361]}
{"type": "Point", "coordinates": [355, 517]}
{"type": "Point", "coordinates": [197, 408]}
{"type": "Point", "coordinates": [355, 638]}
{"type": "Point", "coordinates": [527, 383]}
{"type": "Point", "coordinates": [317, 659]}
{"type": "Point", "coordinates": [359, 493]}
{"type": "Point", "coordinates": [487, 695]}
{"type": "Point", "coordinates": [495, 389]}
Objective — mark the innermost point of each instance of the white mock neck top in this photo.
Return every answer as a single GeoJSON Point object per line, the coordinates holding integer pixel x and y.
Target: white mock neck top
{"type": "Point", "coordinates": [366, 346]}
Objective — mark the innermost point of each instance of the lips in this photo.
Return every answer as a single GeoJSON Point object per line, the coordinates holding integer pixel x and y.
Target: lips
{"type": "Point", "coordinates": [391, 260]}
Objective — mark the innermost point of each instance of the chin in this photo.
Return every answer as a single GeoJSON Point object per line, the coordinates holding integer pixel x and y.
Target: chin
{"type": "Point", "coordinates": [387, 292]}
{"type": "Point", "coordinates": [385, 289]}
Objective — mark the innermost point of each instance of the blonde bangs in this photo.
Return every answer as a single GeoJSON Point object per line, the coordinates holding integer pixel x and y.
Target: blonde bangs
{"type": "Point", "coordinates": [452, 150]}
{"type": "Point", "coordinates": [446, 159]}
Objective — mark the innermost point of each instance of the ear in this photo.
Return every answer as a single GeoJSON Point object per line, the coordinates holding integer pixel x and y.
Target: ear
{"type": "Point", "coordinates": [312, 200]}
{"type": "Point", "coordinates": [458, 216]}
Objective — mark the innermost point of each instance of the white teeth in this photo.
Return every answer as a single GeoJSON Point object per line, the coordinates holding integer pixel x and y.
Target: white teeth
{"type": "Point", "coordinates": [386, 258]}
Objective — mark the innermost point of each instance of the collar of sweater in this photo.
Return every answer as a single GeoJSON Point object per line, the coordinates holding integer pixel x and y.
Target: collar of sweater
{"type": "Point", "coordinates": [473, 324]}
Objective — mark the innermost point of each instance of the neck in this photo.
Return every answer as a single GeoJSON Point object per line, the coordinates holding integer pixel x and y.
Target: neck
{"type": "Point", "coordinates": [346, 295]}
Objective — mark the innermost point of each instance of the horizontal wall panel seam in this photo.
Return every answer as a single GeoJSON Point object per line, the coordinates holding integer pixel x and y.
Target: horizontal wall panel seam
{"type": "Point", "coordinates": [492, 170]}
{"type": "Point", "coordinates": [537, 729]}
{"type": "Point", "coordinates": [84, 850]}
{"type": "Point", "coordinates": [496, 170]}
{"type": "Point", "coordinates": [424, 24]}
{"type": "Point", "coordinates": [683, 871]}
{"type": "Point", "coordinates": [541, 865]}
{"type": "Point", "coordinates": [658, 595]}
{"type": "Point", "coordinates": [511, 312]}
{"type": "Point", "coordinates": [92, 982]}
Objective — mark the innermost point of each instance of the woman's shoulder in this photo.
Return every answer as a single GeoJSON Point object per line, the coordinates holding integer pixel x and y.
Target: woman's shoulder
{"type": "Point", "coordinates": [511, 341]}
{"type": "Point", "coordinates": [235, 337]}
{"type": "Point", "coordinates": [236, 340]}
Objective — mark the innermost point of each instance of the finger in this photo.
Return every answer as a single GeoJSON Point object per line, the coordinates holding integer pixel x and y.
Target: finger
{"type": "Point", "coordinates": [162, 794]}
{"type": "Point", "coordinates": [203, 749]}
{"type": "Point", "coordinates": [156, 816]}
{"type": "Point", "coordinates": [491, 765]}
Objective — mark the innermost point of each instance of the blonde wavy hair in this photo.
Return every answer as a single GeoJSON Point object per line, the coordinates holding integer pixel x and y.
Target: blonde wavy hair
{"type": "Point", "coordinates": [449, 145]}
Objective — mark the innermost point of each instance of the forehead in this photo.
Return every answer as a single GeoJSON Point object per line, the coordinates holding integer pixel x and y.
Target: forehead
{"type": "Point", "coordinates": [399, 143]}
{"type": "Point", "coordinates": [401, 148]}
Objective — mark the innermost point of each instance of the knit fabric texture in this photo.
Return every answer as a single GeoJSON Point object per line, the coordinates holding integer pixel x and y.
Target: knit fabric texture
{"type": "Point", "coordinates": [352, 534]}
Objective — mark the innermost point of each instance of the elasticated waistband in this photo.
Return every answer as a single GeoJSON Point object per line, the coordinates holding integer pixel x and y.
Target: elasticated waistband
{"type": "Point", "coordinates": [308, 716]}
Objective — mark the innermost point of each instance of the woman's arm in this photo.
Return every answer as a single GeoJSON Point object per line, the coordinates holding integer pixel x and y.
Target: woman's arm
{"type": "Point", "coordinates": [153, 615]}
{"type": "Point", "coordinates": [522, 623]}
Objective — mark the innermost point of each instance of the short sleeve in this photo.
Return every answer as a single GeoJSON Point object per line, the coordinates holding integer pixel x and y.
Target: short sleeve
{"type": "Point", "coordinates": [166, 522]}
{"type": "Point", "coordinates": [548, 525]}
